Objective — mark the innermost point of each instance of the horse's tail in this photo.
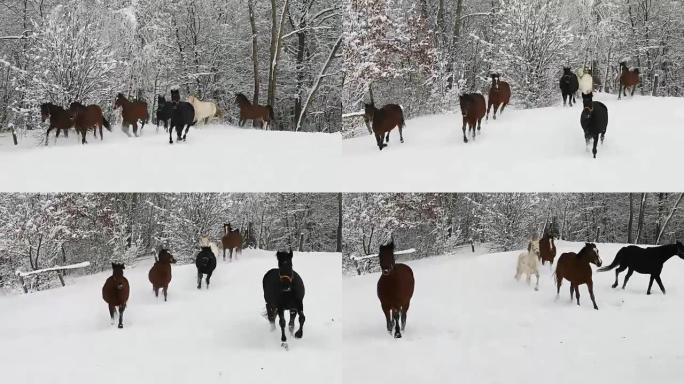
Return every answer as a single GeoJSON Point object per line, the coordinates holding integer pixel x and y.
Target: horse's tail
{"type": "Point", "coordinates": [636, 70]}
{"type": "Point", "coordinates": [616, 261]}
{"type": "Point", "coordinates": [402, 123]}
{"type": "Point", "coordinates": [106, 124]}
{"type": "Point", "coordinates": [271, 115]}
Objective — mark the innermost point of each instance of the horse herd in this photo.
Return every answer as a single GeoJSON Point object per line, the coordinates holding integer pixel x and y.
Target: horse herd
{"type": "Point", "coordinates": [174, 115]}
{"type": "Point", "coordinates": [593, 119]}
{"type": "Point", "coordinates": [283, 287]}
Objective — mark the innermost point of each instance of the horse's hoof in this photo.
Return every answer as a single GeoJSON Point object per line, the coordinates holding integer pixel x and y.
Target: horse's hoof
{"type": "Point", "coordinates": [120, 326]}
{"type": "Point", "coordinates": [648, 293]}
{"type": "Point", "coordinates": [170, 141]}
{"type": "Point", "coordinates": [614, 286]}
{"type": "Point", "coordinates": [299, 334]}
{"type": "Point", "coordinates": [397, 335]}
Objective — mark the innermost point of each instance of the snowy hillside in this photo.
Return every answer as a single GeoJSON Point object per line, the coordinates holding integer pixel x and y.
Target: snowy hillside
{"type": "Point", "coordinates": [215, 336]}
{"type": "Point", "coordinates": [214, 157]}
{"type": "Point", "coordinates": [471, 322]}
{"type": "Point", "coordinates": [527, 151]}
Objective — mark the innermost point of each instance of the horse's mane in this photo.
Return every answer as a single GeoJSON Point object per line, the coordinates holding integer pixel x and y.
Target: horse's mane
{"type": "Point", "coordinates": [585, 249]}
{"type": "Point", "coordinates": [242, 99]}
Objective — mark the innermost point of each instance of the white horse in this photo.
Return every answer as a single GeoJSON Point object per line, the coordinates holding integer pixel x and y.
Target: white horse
{"type": "Point", "coordinates": [586, 83]}
{"type": "Point", "coordinates": [205, 242]}
{"type": "Point", "coordinates": [203, 109]}
{"type": "Point", "coordinates": [528, 263]}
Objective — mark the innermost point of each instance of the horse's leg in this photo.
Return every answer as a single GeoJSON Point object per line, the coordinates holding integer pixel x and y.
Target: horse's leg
{"type": "Point", "coordinates": [281, 322]}
{"type": "Point", "coordinates": [633, 89]}
{"type": "Point", "coordinates": [395, 316]}
{"type": "Point", "coordinates": [208, 278]}
{"type": "Point", "coordinates": [166, 289]}
{"type": "Point", "coordinates": [84, 132]}
{"type": "Point", "coordinates": [121, 311]}
{"type": "Point", "coordinates": [224, 254]}
{"type": "Point", "coordinates": [596, 139]}
{"type": "Point", "coordinates": [577, 294]}
{"type": "Point", "coordinates": [590, 286]}
{"type": "Point", "coordinates": [290, 324]}
{"type": "Point", "coordinates": [650, 284]}
{"type": "Point", "coordinates": [536, 286]}
{"type": "Point", "coordinates": [199, 280]}
{"type": "Point", "coordinates": [401, 133]}
{"type": "Point", "coordinates": [156, 291]}
{"type": "Point", "coordinates": [620, 92]}
{"type": "Point", "coordinates": [100, 125]}
{"type": "Point", "coordinates": [465, 138]}
{"type": "Point", "coordinates": [404, 311]}
{"type": "Point", "coordinates": [302, 319]}
{"type": "Point", "coordinates": [170, 134]}
{"type": "Point", "coordinates": [378, 139]}
{"type": "Point", "coordinates": [47, 135]}
{"type": "Point", "coordinates": [559, 282]}
{"type": "Point", "coordinates": [230, 254]}
{"type": "Point", "coordinates": [271, 315]}
{"type": "Point", "coordinates": [489, 107]}
{"type": "Point", "coordinates": [496, 108]}
{"type": "Point", "coordinates": [112, 311]}
{"type": "Point", "coordinates": [617, 272]}
{"type": "Point", "coordinates": [627, 276]}
{"type": "Point", "coordinates": [135, 128]}
{"type": "Point", "coordinates": [387, 137]}
{"type": "Point", "coordinates": [472, 128]}
{"type": "Point", "coordinates": [479, 124]}
{"type": "Point", "coordinates": [565, 95]}
{"type": "Point", "coordinates": [660, 283]}
{"type": "Point", "coordinates": [388, 318]}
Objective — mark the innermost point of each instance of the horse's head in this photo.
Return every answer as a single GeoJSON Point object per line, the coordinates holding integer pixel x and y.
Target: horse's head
{"type": "Point", "coordinates": [117, 269]}
{"type": "Point", "coordinates": [119, 101]}
{"type": "Point", "coordinates": [285, 266]}
{"type": "Point", "coordinates": [533, 247]}
{"type": "Point", "coordinates": [44, 111]}
{"type": "Point", "coordinates": [166, 257]}
{"type": "Point", "coordinates": [567, 71]}
{"type": "Point", "coordinates": [679, 249]}
{"type": "Point", "coordinates": [191, 99]}
{"type": "Point", "coordinates": [175, 95]}
{"type": "Point", "coordinates": [386, 255]}
{"type": "Point", "coordinates": [588, 103]}
{"type": "Point", "coordinates": [465, 102]}
{"type": "Point", "coordinates": [241, 99]}
{"type": "Point", "coordinates": [161, 100]}
{"type": "Point", "coordinates": [590, 251]}
{"type": "Point", "coordinates": [495, 80]}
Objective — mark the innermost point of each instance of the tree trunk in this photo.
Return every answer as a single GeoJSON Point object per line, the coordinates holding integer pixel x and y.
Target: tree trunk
{"type": "Point", "coordinates": [255, 60]}
{"type": "Point", "coordinates": [339, 222]}
{"type": "Point", "coordinates": [451, 75]}
{"type": "Point", "coordinates": [669, 216]}
{"type": "Point", "coordinates": [631, 218]}
{"type": "Point", "coordinates": [640, 224]}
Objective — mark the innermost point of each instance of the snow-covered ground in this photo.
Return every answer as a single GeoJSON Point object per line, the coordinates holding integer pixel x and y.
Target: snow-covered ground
{"type": "Point", "coordinates": [209, 336]}
{"type": "Point", "coordinates": [527, 151]}
{"type": "Point", "coordinates": [471, 322]}
{"type": "Point", "coordinates": [214, 158]}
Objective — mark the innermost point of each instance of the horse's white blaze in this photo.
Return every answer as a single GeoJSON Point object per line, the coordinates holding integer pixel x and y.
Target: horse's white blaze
{"type": "Point", "coordinates": [586, 84]}
{"type": "Point", "coordinates": [203, 109]}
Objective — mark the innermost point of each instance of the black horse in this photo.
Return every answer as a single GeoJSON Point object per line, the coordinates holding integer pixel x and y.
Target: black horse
{"type": "Point", "coordinates": [569, 85]}
{"type": "Point", "coordinates": [284, 290]}
{"type": "Point", "coordinates": [206, 263]}
{"type": "Point", "coordinates": [182, 117]}
{"type": "Point", "coordinates": [594, 120]}
{"type": "Point", "coordinates": [175, 96]}
{"type": "Point", "coordinates": [163, 114]}
{"type": "Point", "coordinates": [644, 260]}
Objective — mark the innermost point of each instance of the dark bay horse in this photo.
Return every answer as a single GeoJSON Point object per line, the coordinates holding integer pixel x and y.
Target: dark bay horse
{"type": "Point", "coordinates": [160, 273]}
{"type": "Point", "coordinates": [644, 260]}
{"type": "Point", "coordinates": [60, 119]}
{"type": "Point", "coordinates": [132, 112]}
{"type": "Point", "coordinates": [473, 109]}
{"type": "Point", "coordinates": [205, 261]}
{"type": "Point", "coordinates": [231, 240]}
{"type": "Point", "coordinates": [628, 78]}
{"type": "Point", "coordinates": [575, 268]}
{"type": "Point", "coordinates": [263, 114]}
{"type": "Point", "coordinates": [395, 289]}
{"type": "Point", "coordinates": [87, 117]}
{"type": "Point", "coordinates": [499, 94]}
{"type": "Point", "coordinates": [383, 121]}
{"type": "Point", "coordinates": [569, 84]}
{"type": "Point", "coordinates": [115, 292]}
{"type": "Point", "coordinates": [547, 249]}
{"type": "Point", "coordinates": [175, 96]}
{"type": "Point", "coordinates": [284, 291]}
{"type": "Point", "coordinates": [182, 117]}
{"type": "Point", "coordinates": [594, 120]}
{"type": "Point", "coordinates": [163, 114]}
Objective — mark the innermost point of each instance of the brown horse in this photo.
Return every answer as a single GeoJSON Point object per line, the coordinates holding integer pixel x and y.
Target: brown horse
{"type": "Point", "coordinates": [263, 114]}
{"type": "Point", "coordinates": [131, 112]}
{"type": "Point", "coordinates": [384, 120]}
{"type": "Point", "coordinates": [395, 289]}
{"type": "Point", "coordinates": [473, 109]}
{"type": "Point", "coordinates": [231, 240]}
{"type": "Point", "coordinates": [88, 117]}
{"type": "Point", "coordinates": [499, 94]}
{"type": "Point", "coordinates": [628, 78]}
{"type": "Point", "coordinates": [160, 273]}
{"type": "Point", "coordinates": [547, 249]}
{"type": "Point", "coordinates": [575, 268]}
{"type": "Point", "coordinates": [115, 292]}
{"type": "Point", "coordinates": [59, 119]}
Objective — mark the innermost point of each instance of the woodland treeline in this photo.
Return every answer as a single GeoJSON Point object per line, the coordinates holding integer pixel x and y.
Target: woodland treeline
{"type": "Point", "coordinates": [435, 224]}
{"type": "Point", "coordinates": [39, 231]}
{"type": "Point", "coordinates": [278, 52]}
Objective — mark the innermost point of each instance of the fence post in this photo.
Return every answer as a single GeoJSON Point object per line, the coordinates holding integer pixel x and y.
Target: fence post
{"type": "Point", "coordinates": [60, 274]}
{"type": "Point", "coordinates": [23, 283]}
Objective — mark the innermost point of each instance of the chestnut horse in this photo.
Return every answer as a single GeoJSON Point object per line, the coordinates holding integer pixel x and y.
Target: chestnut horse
{"type": "Point", "coordinates": [231, 240]}
{"type": "Point", "coordinates": [264, 114]}
{"type": "Point", "coordinates": [395, 289]}
{"type": "Point", "coordinates": [384, 120]}
{"type": "Point", "coordinates": [628, 78]}
{"type": "Point", "coordinates": [160, 273]}
{"type": "Point", "coordinates": [59, 119]}
{"type": "Point", "coordinates": [575, 268]}
{"type": "Point", "coordinates": [284, 291]}
{"type": "Point", "coordinates": [499, 94]}
{"type": "Point", "coordinates": [88, 117]}
{"type": "Point", "coordinates": [131, 112]}
{"type": "Point", "coordinates": [547, 249]}
{"type": "Point", "coordinates": [473, 109]}
{"type": "Point", "coordinates": [115, 292]}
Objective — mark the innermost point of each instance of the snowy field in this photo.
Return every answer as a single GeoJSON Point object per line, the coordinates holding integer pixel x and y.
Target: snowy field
{"type": "Point", "coordinates": [216, 336]}
{"type": "Point", "coordinates": [471, 322]}
{"type": "Point", "coordinates": [536, 150]}
{"type": "Point", "coordinates": [214, 158]}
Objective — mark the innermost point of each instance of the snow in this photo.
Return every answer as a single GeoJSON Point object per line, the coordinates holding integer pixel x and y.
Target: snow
{"type": "Point", "coordinates": [471, 322]}
{"type": "Point", "coordinates": [55, 268]}
{"type": "Point", "coordinates": [531, 150]}
{"type": "Point", "coordinates": [209, 336]}
{"type": "Point", "coordinates": [214, 158]}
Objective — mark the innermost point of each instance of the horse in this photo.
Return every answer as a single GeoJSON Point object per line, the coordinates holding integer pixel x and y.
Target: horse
{"type": "Point", "coordinates": [115, 292]}
{"type": "Point", "coordinates": [160, 273]}
{"type": "Point", "coordinates": [182, 117]}
{"type": "Point", "coordinates": [88, 117]}
{"type": "Point", "coordinates": [628, 78]}
{"type": "Point", "coordinates": [395, 289]}
{"type": "Point", "coordinates": [499, 94]}
{"type": "Point", "coordinates": [568, 85]}
{"type": "Point", "coordinates": [586, 82]}
{"type": "Point", "coordinates": [163, 114]}
{"type": "Point", "coordinates": [384, 120]}
{"type": "Point", "coordinates": [264, 114]}
{"type": "Point", "coordinates": [473, 109]}
{"type": "Point", "coordinates": [60, 119]}
{"type": "Point", "coordinates": [575, 268]}
{"type": "Point", "coordinates": [203, 109]}
{"type": "Point", "coordinates": [547, 249]}
{"type": "Point", "coordinates": [284, 290]}
{"type": "Point", "coordinates": [594, 120]}
{"type": "Point", "coordinates": [175, 96]}
{"type": "Point", "coordinates": [231, 240]}
{"type": "Point", "coordinates": [644, 260]}
{"type": "Point", "coordinates": [131, 112]}
{"type": "Point", "coordinates": [205, 261]}
{"type": "Point", "coordinates": [528, 263]}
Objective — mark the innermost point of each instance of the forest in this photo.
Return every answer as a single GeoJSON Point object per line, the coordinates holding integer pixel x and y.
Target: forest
{"type": "Point", "coordinates": [281, 53]}
{"type": "Point", "coordinates": [435, 224]}
{"type": "Point", "coordinates": [422, 54]}
{"type": "Point", "coordinates": [40, 231]}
